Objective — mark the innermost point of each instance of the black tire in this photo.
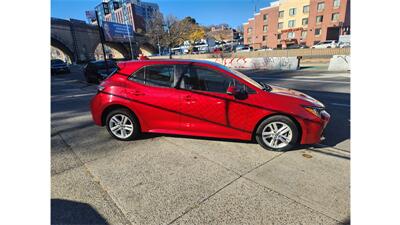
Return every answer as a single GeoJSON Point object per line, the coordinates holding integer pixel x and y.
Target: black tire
{"type": "Point", "coordinates": [282, 119]}
{"type": "Point", "coordinates": [136, 127]}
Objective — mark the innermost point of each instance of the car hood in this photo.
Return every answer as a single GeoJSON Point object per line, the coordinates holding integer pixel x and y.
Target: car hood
{"type": "Point", "coordinates": [296, 94]}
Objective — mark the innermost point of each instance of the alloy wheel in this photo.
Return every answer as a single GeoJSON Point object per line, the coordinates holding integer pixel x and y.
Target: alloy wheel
{"type": "Point", "coordinates": [121, 126]}
{"type": "Point", "coordinates": [277, 135]}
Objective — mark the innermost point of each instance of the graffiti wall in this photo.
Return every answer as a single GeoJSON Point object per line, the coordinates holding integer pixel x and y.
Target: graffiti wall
{"type": "Point", "coordinates": [269, 63]}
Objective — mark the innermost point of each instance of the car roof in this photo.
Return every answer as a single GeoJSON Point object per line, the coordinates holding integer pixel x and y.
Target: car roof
{"type": "Point", "coordinates": [164, 61]}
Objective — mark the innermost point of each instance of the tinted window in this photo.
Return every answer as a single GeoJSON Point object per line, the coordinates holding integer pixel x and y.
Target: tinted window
{"type": "Point", "coordinates": [138, 76]}
{"type": "Point", "coordinates": [207, 80]}
{"type": "Point", "coordinates": [56, 62]}
{"type": "Point", "coordinates": [159, 75]}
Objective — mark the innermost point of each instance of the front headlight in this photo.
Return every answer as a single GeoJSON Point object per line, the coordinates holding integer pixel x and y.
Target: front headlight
{"type": "Point", "coordinates": [317, 111]}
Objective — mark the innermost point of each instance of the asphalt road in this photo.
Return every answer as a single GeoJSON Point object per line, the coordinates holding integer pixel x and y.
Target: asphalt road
{"type": "Point", "coordinates": [161, 179]}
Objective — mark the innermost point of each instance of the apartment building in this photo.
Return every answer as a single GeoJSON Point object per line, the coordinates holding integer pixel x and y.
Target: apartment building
{"type": "Point", "coordinates": [261, 30]}
{"type": "Point", "coordinates": [327, 20]}
{"type": "Point", "coordinates": [290, 22]}
{"type": "Point", "coordinates": [134, 12]}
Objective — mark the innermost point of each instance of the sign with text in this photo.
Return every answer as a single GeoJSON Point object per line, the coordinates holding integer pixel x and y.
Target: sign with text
{"type": "Point", "coordinates": [117, 32]}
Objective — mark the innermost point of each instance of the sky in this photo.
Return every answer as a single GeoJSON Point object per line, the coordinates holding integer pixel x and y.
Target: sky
{"type": "Point", "coordinates": [206, 12]}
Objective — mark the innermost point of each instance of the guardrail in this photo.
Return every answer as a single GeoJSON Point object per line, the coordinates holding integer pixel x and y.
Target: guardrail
{"type": "Point", "coordinates": [269, 53]}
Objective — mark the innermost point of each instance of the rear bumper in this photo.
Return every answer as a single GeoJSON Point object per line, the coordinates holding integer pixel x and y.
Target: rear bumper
{"type": "Point", "coordinates": [96, 109]}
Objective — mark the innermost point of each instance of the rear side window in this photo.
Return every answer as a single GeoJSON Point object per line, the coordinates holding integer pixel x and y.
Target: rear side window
{"type": "Point", "coordinates": [160, 75]}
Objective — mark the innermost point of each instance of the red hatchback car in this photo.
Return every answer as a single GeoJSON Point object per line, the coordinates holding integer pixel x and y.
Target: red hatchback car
{"type": "Point", "coordinates": [200, 98]}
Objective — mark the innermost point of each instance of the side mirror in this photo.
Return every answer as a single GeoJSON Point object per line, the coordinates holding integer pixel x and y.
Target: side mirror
{"type": "Point", "coordinates": [232, 90]}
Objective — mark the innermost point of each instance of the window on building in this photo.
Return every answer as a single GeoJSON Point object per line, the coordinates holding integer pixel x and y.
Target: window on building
{"type": "Point", "coordinates": [249, 40]}
{"type": "Point", "coordinates": [281, 13]}
{"type": "Point", "coordinates": [303, 34]}
{"type": "Point", "coordinates": [291, 23]}
{"type": "Point", "coordinates": [292, 11]}
{"type": "Point", "coordinates": [306, 9]}
{"type": "Point", "coordinates": [280, 25]}
{"type": "Point", "coordinates": [279, 36]}
{"type": "Point", "coordinates": [335, 16]}
{"type": "Point", "coordinates": [249, 30]}
{"type": "Point", "coordinates": [320, 19]}
{"type": "Point", "coordinates": [264, 38]}
{"type": "Point", "coordinates": [304, 21]}
{"type": "Point", "coordinates": [265, 17]}
{"type": "Point", "coordinates": [265, 28]}
{"type": "Point", "coordinates": [291, 35]}
{"type": "Point", "coordinates": [321, 6]}
{"type": "Point", "coordinates": [336, 3]}
{"type": "Point", "coordinates": [317, 31]}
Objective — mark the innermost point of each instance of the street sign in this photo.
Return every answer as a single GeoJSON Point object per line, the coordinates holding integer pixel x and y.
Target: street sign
{"type": "Point", "coordinates": [117, 32]}
{"type": "Point", "coordinates": [91, 15]}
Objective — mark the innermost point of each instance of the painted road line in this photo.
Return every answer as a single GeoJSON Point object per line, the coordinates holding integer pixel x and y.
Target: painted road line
{"type": "Point", "coordinates": [80, 95]}
{"type": "Point", "coordinates": [340, 104]}
{"type": "Point", "coordinates": [303, 80]}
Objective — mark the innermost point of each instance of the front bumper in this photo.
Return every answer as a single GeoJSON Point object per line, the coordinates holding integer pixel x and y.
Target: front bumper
{"type": "Point", "coordinates": [313, 129]}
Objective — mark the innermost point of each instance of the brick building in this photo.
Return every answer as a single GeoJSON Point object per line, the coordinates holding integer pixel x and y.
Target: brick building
{"type": "Point", "coordinates": [289, 22]}
{"type": "Point", "coordinates": [261, 30]}
{"type": "Point", "coordinates": [328, 19]}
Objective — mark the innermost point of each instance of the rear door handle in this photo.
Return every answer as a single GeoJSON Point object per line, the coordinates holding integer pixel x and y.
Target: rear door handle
{"type": "Point", "coordinates": [189, 99]}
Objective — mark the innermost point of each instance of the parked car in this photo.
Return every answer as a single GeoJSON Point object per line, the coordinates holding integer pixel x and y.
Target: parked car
{"type": "Point", "coordinates": [344, 44]}
{"type": "Point", "coordinates": [325, 44]}
{"type": "Point", "coordinates": [58, 66]}
{"type": "Point", "coordinates": [96, 71]}
{"type": "Point", "coordinates": [205, 99]}
{"type": "Point", "coordinates": [296, 46]}
{"type": "Point", "coordinates": [243, 48]}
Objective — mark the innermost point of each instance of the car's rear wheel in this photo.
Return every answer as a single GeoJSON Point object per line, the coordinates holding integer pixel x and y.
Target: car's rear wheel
{"type": "Point", "coordinates": [122, 125]}
{"type": "Point", "coordinates": [277, 133]}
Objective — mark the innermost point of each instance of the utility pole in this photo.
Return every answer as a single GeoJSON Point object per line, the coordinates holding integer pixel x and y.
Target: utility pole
{"type": "Point", "coordinates": [102, 41]}
{"type": "Point", "coordinates": [126, 24]}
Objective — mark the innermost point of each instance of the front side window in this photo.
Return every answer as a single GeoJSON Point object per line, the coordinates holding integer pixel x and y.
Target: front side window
{"type": "Point", "coordinates": [203, 79]}
{"type": "Point", "coordinates": [292, 11]}
{"type": "Point", "coordinates": [159, 75]}
{"type": "Point", "coordinates": [291, 23]}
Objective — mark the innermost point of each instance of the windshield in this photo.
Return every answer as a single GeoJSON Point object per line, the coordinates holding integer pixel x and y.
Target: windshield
{"type": "Point", "coordinates": [240, 75]}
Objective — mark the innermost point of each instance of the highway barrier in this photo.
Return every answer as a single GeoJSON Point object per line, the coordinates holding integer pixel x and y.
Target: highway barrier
{"type": "Point", "coordinates": [339, 63]}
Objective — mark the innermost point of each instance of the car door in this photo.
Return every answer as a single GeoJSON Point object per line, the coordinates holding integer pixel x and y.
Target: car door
{"type": "Point", "coordinates": [207, 109]}
{"type": "Point", "coordinates": [154, 99]}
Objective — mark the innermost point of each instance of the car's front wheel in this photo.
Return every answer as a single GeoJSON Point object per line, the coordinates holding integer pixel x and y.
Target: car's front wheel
{"type": "Point", "coordinates": [277, 133]}
{"type": "Point", "coordinates": [122, 125]}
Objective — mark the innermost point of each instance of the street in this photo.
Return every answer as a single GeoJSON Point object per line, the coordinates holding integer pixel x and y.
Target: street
{"type": "Point", "coordinates": [164, 179]}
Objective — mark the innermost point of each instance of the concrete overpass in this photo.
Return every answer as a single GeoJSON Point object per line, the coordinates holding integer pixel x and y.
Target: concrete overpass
{"type": "Point", "coordinates": [79, 40]}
